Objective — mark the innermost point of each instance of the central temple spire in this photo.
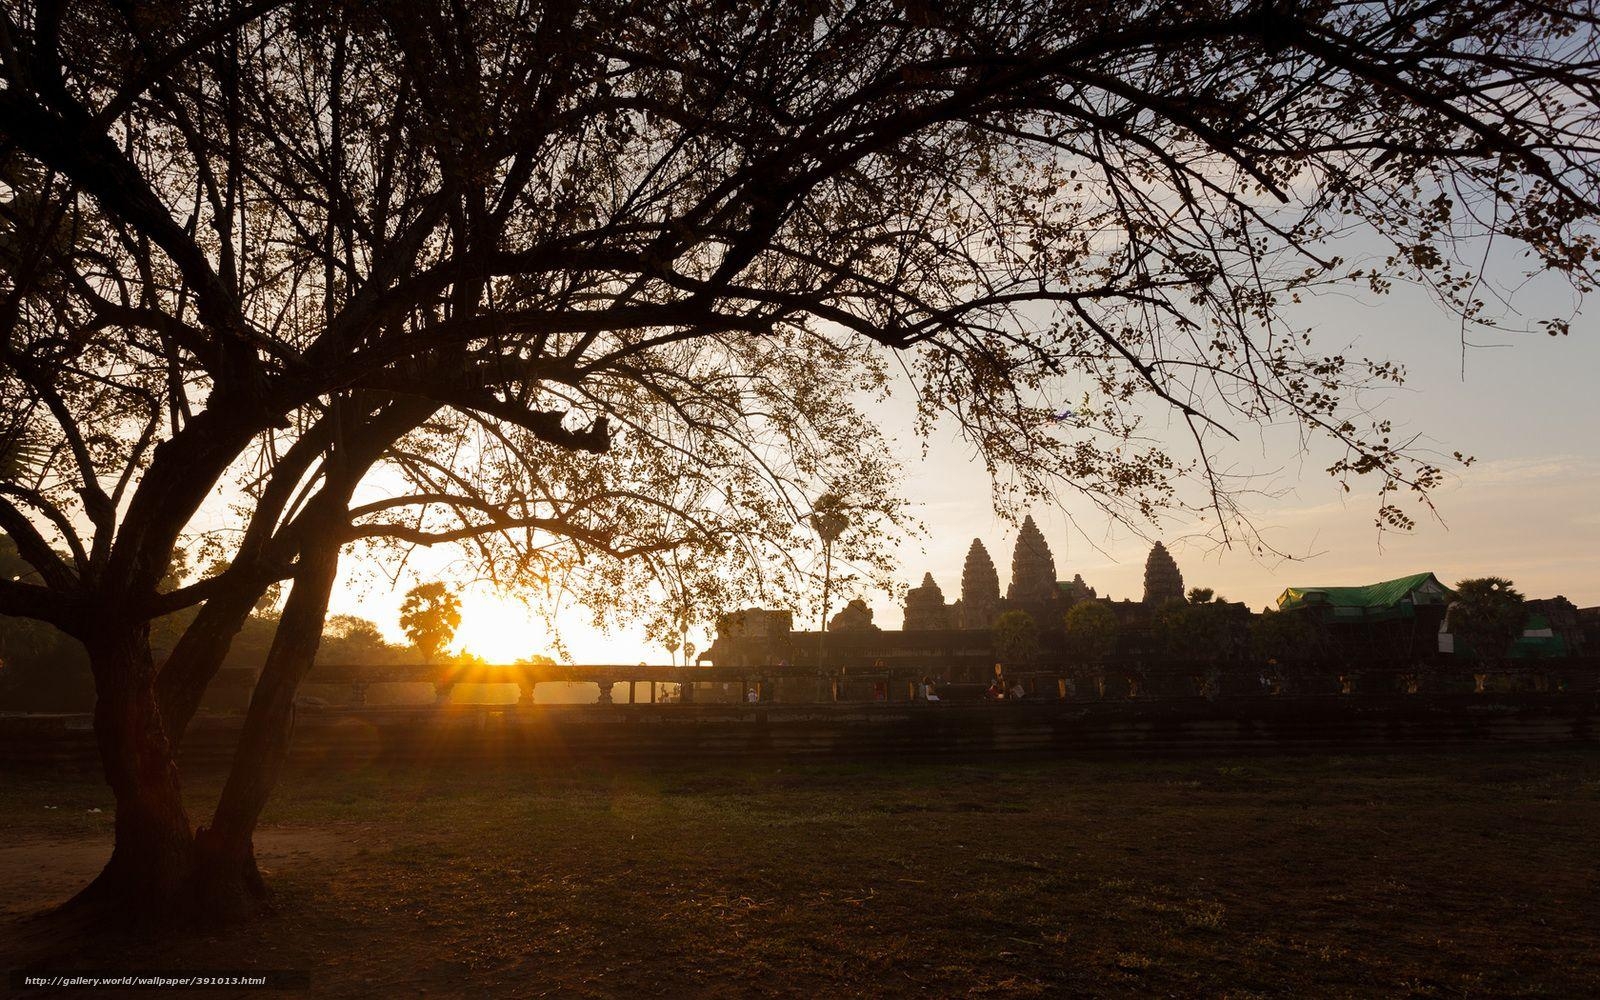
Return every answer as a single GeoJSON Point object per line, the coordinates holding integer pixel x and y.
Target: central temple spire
{"type": "Point", "coordinates": [1033, 568]}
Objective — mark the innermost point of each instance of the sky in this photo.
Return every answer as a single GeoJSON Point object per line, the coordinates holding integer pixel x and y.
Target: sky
{"type": "Point", "coordinates": [1526, 406]}
{"type": "Point", "coordinates": [1527, 409]}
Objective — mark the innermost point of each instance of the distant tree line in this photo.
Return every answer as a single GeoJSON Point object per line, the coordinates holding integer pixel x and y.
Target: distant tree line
{"type": "Point", "coordinates": [1487, 615]}
{"type": "Point", "coordinates": [44, 670]}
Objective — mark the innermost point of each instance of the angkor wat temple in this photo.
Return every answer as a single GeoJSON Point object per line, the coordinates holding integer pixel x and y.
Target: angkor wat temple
{"type": "Point", "coordinates": [1033, 588]}
{"type": "Point", "coordinates": [1402, 620]}
{"type": "Point", "coordinates": [949, 636]}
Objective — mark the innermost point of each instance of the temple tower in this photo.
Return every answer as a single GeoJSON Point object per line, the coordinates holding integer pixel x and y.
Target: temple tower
{"type": "Point", "coordinates": [856, 617]}
{"type": "Point", "coordinates": [925, 607]}
{"type": "Point", "coordinates": [1077, 591]}
{"type": "Point", "coordinates": [1162, 581]}
{"type": "Point", "coordinates": [1033, 568]}
{"type": "Point", "coordinates": [980, 588]}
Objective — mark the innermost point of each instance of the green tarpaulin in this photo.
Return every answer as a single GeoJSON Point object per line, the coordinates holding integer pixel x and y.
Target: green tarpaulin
{"type": "Point", "coordinates": [1390, 596]}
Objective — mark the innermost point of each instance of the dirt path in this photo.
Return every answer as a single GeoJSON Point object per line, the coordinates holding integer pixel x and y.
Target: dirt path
{"type": "Point", "coordinates": [40, 872]}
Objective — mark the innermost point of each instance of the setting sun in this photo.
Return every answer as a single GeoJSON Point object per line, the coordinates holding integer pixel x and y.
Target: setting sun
{"type": "Point", "coordinates": [499, 629]}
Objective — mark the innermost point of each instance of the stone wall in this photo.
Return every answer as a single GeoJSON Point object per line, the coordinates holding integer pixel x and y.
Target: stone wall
{"type": "Point", "coordinates": [521, 736]}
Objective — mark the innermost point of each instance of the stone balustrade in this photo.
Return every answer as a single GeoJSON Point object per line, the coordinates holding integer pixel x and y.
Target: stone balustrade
{"type": "Point", "coordinates": [801, 684]}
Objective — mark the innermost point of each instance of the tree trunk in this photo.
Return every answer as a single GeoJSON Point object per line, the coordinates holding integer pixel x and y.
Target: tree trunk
{"type": "Point", "coordinates": [151, 863]}
{"type": "Point", "coordinates": [160, 867]}
{"type": "Point", "coordinates": [229, 882]}
{"type": "Point", "coordinates": [205, 643]}
{"type": "Point", "coordinates": [199, 654]}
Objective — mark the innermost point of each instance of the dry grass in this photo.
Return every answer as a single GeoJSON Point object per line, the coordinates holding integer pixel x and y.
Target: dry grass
{"type": "Point", "coordinates": [1470, 874]}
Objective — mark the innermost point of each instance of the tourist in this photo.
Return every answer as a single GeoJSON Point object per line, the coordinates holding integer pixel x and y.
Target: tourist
{"type": "Point", "coordinates": [995, 692]}
{"type": "Point", "coordinates": [752, 696]}
{"type": "Point", "coordinates": [927, 690]}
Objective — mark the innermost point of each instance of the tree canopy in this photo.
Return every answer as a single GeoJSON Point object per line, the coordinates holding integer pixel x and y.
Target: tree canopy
{"type": "Point", "coordinates": [430, 616]}
{"type": "Point", "coordinates": [1488, 616]}
{"type": "Point", "coordinates": [1091, 631]}
{"type": "Point", "coordinates": [628, 236]}
{"type": "Point", "coordinates": [1016, 638]}
{"type": "Point", "coordinates": [1205, 628]}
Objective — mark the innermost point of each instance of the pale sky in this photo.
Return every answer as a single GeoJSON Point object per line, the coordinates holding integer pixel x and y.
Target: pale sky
{"type": "Point", "coordinates": [1529, 411]}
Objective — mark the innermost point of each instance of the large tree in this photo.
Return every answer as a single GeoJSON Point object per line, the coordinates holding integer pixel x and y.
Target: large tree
{"type": "Point", "coordinates": [600, 290]}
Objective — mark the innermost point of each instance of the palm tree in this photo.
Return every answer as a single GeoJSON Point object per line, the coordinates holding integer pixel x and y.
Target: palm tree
{"type": "Point", "coordinates": [20, 452]}
{"type": "Point", "coordinates": [18, 455]}
{"type": "Point", "coordinates": [1488, 615]}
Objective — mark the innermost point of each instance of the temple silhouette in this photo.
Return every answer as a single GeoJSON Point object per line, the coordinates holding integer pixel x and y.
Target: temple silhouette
{"type": "Point", "coordinates": [1401, 620]}
{"type": "Point", "coordinates": [950, 637]}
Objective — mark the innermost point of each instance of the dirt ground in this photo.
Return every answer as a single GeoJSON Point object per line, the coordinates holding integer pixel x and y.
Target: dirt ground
{"type": "Point", "coordinates": [40, 871]}
{"type": "Point", "coordinates": [1426, 875]}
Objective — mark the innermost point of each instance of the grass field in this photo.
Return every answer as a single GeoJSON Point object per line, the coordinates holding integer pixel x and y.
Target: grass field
{"type": "Point", "coordinates": [1463, 874]}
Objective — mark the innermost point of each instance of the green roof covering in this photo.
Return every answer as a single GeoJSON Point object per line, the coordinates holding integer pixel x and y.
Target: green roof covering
{"type": "Point", "coordinates": [1372, 597]}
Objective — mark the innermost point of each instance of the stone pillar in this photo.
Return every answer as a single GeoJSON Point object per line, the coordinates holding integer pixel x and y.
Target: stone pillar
{"type": "Point", "coordinates": [686, 692]}
{"type": "Point", "coordinates": [442, 691]}
{"type": "Point", "coordinates": [605, 693]}
{"type": "Point", "coordinates": [358, 694]}
{"type": "Point", "coordinates": [525, 689]}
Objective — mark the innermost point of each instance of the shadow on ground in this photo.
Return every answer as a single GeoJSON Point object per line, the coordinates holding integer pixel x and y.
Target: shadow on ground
{"type": "Point", "coordinates": [1463, 874]}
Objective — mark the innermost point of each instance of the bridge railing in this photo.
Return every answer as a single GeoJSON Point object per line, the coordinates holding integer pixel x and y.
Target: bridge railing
{"type": "Point", "coordinates": [807, 684]}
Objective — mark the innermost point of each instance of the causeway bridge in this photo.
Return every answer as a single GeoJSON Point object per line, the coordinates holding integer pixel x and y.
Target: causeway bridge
{"type": "Point", "coordinates": [643, 683]}
{"type": "Point", "coordinates": [347, 685]}
{"type": "Point", "coordinates": [804, 712]}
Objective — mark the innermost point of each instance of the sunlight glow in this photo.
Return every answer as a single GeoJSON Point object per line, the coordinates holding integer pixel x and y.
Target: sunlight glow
{"type": "Point", "coordinates": [499, 629]}
{"type": "Point", "coordinates": [502, 629]}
